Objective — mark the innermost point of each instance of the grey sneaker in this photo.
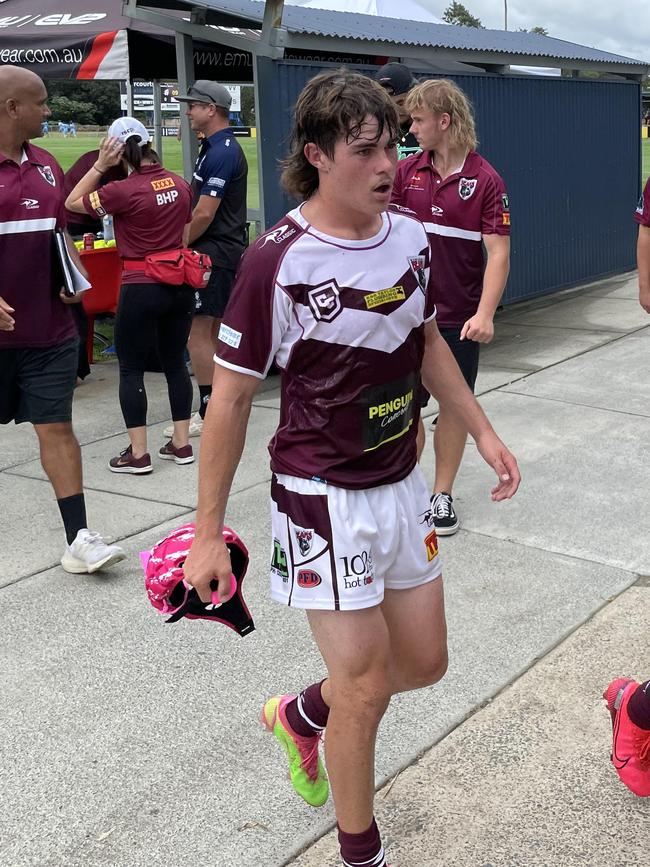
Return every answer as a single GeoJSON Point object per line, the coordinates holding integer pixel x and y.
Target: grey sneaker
{"type": "Point", "coordinates": [196, 427]}
{"type": "Point", "coordinates": [444, 518]}
{"type": "Point", "coordinates": [88, 553]}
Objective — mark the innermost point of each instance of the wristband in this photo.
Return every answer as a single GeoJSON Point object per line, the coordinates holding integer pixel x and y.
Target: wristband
{"type": "Point", "coordinates": [101, 172]}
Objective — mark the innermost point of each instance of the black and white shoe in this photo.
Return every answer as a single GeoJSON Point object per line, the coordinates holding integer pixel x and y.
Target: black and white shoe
{"type": "Point", "coordinates": [444, 518]}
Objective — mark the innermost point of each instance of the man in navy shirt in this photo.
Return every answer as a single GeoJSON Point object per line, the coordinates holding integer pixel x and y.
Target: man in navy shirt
{"type": "Point", "coordinates": [218, 225]}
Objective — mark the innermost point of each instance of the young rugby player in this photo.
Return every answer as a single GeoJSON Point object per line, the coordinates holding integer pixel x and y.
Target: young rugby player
{"type": "Point", "coordinates": [337, 294]}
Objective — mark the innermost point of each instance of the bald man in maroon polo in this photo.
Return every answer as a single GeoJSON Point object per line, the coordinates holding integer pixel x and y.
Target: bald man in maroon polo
{"type": "Point", "coordinates": [38, 340]}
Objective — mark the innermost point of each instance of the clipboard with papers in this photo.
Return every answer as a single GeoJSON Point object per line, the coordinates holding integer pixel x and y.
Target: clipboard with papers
{"type": "Point", "coordinates": [74, 281]}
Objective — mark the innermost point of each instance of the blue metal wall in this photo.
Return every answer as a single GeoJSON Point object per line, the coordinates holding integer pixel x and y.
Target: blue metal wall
{"type": "Point", "coordinates": [568, 149]}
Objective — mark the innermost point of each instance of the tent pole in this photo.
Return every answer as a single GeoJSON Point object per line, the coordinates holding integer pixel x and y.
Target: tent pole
{"type": "Point", "coordinates": [185, 76]}
{"type": "Point", "coordinates": [157, 119]}
{"type": "Point", "coordinates": [129, 98]}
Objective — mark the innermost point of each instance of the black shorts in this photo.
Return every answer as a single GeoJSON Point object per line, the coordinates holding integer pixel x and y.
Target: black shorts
{"type": "Point", "coordinates": [212, 300]}
{"type": "Point", "coordinates": [37, 384]}
{"type": "Point", "coordinates": [466, 353]}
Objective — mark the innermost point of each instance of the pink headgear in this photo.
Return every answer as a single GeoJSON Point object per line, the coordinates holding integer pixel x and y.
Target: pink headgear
{"type": "Point", "coordinates": [171, 594]}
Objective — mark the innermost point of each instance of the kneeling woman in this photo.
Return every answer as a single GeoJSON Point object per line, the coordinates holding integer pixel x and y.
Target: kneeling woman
{"type": "Point", "coordinates": [151, 209]}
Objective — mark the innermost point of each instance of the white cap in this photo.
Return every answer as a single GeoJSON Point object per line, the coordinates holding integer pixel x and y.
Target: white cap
{"type": "Point", "coordinates": [125, 127]}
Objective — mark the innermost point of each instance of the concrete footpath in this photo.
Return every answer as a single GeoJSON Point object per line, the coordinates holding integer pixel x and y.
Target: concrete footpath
{"type": "Point", "coordinates": [130, 743]}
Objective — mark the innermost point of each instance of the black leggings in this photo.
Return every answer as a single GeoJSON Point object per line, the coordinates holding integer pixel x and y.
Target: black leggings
{"type": "Point", "coordinates": [149, 316]}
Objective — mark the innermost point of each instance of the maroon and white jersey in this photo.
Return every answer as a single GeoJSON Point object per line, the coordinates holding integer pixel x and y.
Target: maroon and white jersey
{"type": "Point", "coordinates": [642, 215]}
{"type": "Point", "coordinates": [456, 213]}
{"type": "Point", "coordinates": [150, 209]}
{"type": "Point", "coordinates": [31, 208]}
{"type": "Point", "coordinates": [344, 321]}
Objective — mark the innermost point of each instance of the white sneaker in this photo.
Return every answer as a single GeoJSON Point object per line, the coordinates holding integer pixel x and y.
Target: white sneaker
{"type": "Point", "coordinates": [89, 552]}
{"type": "Point", "coordinates": [196, 427]}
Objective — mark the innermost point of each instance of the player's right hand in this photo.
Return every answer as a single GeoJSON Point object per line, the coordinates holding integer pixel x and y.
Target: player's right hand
{"type": "Point", "coordinates": [208, 561]}
{"type": "Point", "coordinates": [7, 321]}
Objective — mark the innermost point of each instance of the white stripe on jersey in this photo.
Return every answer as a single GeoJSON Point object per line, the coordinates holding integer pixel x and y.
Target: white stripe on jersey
{"type": "Point", "coordinates": [452, 232]}
{"type": "Point", "coordinates": [238, 369]}
{"type": "Point", "coordinates": [363, 328]}
{"type": "Point", "coordinates": [20, 227]}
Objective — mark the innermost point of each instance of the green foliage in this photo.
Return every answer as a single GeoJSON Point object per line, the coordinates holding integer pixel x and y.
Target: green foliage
{"type": "Point", "coordinates": [456, 13]}
{"type": "Point", "coordinates": [540, 31]}
{"type": "Point", "coordinates": [71, 109]}
{"type": "Point", "coordinates": [248, 106]}
{"type": "Point", "coordinates": [101, 97]}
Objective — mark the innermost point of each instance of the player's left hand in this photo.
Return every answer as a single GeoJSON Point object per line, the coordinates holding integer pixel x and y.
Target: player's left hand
{"type": "Point", "coordinates": [503, 462]}
{"type": "Point", "coordinates": [69, 299]}
{"type": "Point", "coordinates": [479, 328]}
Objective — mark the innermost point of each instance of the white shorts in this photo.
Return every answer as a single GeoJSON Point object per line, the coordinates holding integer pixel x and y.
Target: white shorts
{"type": "Point", "coordinates": [337, 549]}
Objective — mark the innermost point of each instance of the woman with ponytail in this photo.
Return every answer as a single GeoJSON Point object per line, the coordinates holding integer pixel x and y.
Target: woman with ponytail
{"type": "Point", "coordinates": [151, 209]}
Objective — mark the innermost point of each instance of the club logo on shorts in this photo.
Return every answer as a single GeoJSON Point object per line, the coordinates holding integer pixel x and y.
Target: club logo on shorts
{"type": "Point", "coordinates": [305, 539]}
{"type": "Point", "coordinates": [308, 579]}
{"type": "Point", "coordinates": [466, 187]}
{"type": "Point", "coordinates": [324, 301]}
{"type": "Point", "coordinates": [47, 174]}
{"type": "Point", "coordinates": [417, 265]}
{"type": "Point", "coordinates": [427, 518]}
{"type": "Point", "coordinates": [431, 544]}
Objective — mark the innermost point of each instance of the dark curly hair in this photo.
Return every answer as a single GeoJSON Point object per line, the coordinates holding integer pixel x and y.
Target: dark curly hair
{"type": "Point", "coordinates": [331, 106]}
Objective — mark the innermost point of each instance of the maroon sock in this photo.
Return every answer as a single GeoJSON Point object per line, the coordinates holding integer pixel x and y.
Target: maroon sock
{"type": "Point", "coordinates": [307, 713]}
{"type": "Point", "coordinates": [362, 849]}
{"type": "Point", "coordinates": [638, 707]}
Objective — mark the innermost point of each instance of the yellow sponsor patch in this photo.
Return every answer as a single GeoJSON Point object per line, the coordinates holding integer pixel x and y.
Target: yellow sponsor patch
{"type": "Point", "coordinates": [506, 218]}
{"type": "Point", "coordinates": [163, 184]}
{"type": "Point", "coordinates": [96, 205]}
{"type": "Point", "coordinates": [384, 296]}
{"type": "Point", "coordinates": [397, 405]}
{"type": "Point", "coordinates": [431, 544]}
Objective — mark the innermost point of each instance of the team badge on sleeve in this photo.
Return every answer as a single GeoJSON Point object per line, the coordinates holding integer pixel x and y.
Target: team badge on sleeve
{"type": "Point", "coordinates": [639, 207]}
{"type": "Point", "coordinates": [417, 264]}
{"type": "Point", "coordinates": [47, 174]}
{"type": "Point", "coordinates": [96, 205]}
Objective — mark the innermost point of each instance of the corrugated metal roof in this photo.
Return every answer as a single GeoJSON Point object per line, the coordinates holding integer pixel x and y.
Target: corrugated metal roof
{"type": "Point", "coordinates": [348, 25]}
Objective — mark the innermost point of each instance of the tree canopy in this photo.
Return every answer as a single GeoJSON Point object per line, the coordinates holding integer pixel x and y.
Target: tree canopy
{"type": "Point", "coordinates": [456, 13]}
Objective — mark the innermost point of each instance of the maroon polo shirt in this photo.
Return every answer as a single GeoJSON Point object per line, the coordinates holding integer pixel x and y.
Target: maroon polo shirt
{"type": "Point", "coordinates": [642, 215]}
{"type": "Point", "coordinates": [72, 177]}
{"type": "Point", "coordinates": [150, 209]}
{"type": "Point", "coordinates": [31, 208]}
{"type": "Point", "coordinates": [456, 213]}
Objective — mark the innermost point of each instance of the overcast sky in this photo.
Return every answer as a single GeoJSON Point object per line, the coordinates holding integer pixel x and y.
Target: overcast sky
{"type": "Point", "coordinates": [620, 26]}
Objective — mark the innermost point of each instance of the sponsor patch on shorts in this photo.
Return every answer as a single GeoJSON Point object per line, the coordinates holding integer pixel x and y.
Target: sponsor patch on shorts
{"type": "Point", "coordinates": [431, 544]}
{"type": "Point", "coordinates": [230, 336]}
{"type": "Point", "coordinates": [384, 296]}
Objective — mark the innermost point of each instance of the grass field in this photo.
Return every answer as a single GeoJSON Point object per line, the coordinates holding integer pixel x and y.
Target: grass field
{"type": "Point", "coordinates": [645, 166]}
{"type": "Point", "coordinates": [67, 150]}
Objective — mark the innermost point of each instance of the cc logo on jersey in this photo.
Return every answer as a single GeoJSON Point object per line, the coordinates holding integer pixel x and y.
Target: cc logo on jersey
{"type": "Point", "coordinates": [324, 301]}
